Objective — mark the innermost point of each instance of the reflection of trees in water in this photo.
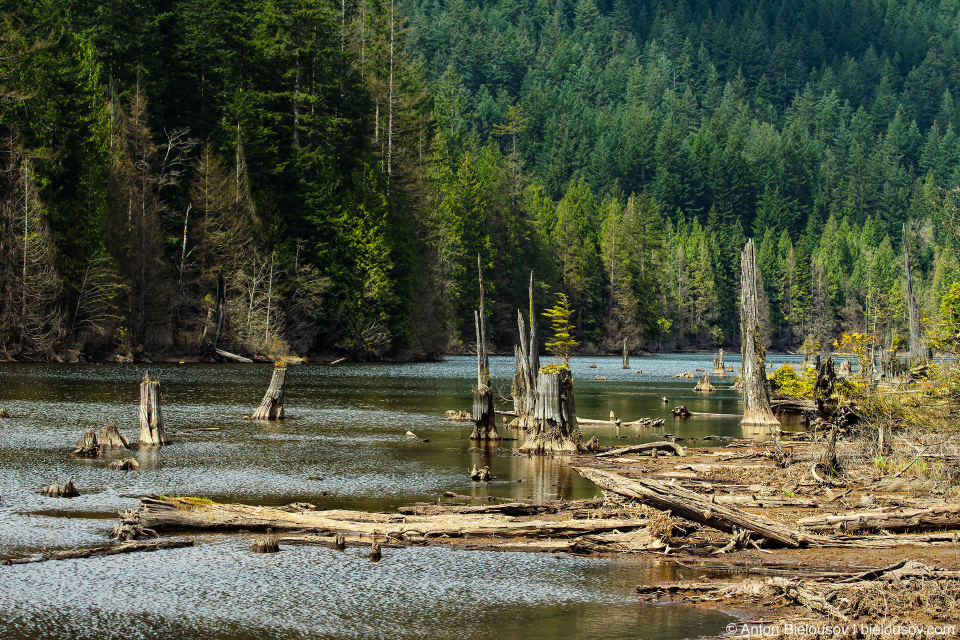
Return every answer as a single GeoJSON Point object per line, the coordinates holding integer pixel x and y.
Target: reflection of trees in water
{"type": "Point", "coordinates": [760, 433]}
{"type": "Point", "coordinates": [544, 477]}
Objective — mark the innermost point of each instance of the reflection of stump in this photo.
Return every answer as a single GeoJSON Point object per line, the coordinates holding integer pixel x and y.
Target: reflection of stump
{"type": "Point", "coordinates": [271, 407]}
{"type": "Point", "coordinates": [555, 429]}
{"type": "Point", "coordinates": [484, 418]}
{"type": "Point", "coordinates": [151, 419]}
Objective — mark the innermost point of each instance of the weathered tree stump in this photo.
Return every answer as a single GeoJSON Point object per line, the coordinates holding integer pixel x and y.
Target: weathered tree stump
{"type": "Point", "coordinates": [756, 392]}
{"type": "Point", "coordinates": [375, 552]}
{"type": "Point", "coordinates": [109, 438]}
{"type": "Point", "coordinates": [484, 418]}
{"type": "Point", "coordinates": [844, 369]}
{"type": "Point", "coordinates": [66, 490]}
{"type": "Point", "coordinates": [626, 355]}
{"type": "Point", "coordinates": [4, 413]}
{"type": "Point", "coordinates": [527, 360]}
{"type": "Point", "coordinates": [555, 429]}
{"type": "Point", "coordinates": [271, 407]}
{"type": "Point", "coordinates": [339, 542]}
{"type": "Point", "coordinates": [917, 352]}
{"type": "Point", "coordinates": [681, 412]}
{"type": "Point", "coordinates": [703, 385]}
{"type": "Point", "coordinates": [265, 545]}
{"type": "Point", "coordinates": [719, 368]}
{"type": "Point", "coordinates": [127, 464]}
{"type": "Point", "coordinates": [151, 419]}
{"type": "Point", "coordinates": [88, 447]}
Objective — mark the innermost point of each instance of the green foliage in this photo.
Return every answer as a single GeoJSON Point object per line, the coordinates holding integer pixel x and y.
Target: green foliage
{"type": "Point", "coordinates": [946, 330]}
{"type": "Point", "coordinates": [786, 381]}
{"type": "Point", "coordinates": [561, 345]}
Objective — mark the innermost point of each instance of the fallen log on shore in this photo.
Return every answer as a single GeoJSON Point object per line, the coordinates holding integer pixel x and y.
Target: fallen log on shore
{"type": "Point", "coordinates": [696, 508]}
{"type": "Point", "coordinates": [195, 513]}
{"type": "Point", "coordinates": [669, 447]}
{"type": "Point", "coordinates": [945, 516]}
{"type": "Point", "coordinates": [100, 552]}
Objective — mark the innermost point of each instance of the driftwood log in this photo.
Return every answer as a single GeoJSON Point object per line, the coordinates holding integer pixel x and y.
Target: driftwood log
{"type": "Point", "coordinates": [101, 552]}
{"type": "Point", "coordinates": [271, 407]}
{"type": "Point", "coordinates": [669, 447]}
{"type": "Point", "coordinates": [696, 508]}
{"type": "Point", "coordinates": [196, 514]}
{"type": "Point", "coordinates": [756, 392]}
{"type": "Point", "coordinates": [230, 357]}
{"type": "Point", "coordinates": [654, 423]}
{"type": "Point", "coordinates": [151, 418]}
{"type": "Point", "coordinates": [945, 516]}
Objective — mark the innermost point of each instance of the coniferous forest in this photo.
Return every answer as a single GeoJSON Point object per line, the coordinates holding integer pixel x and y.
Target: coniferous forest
{"type": "Point", "coordinates": [336, 167]}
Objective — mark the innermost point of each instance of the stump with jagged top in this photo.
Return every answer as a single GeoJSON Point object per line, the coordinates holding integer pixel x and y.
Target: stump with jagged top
{"type": "Point", "coordinates": [151, 418]}
{"type": "Point", "coordinates": [756, 392]}
{"type": "Point", "coordinates": [555, 427]}
{"type": "Point", "coordinates": [271, 407]}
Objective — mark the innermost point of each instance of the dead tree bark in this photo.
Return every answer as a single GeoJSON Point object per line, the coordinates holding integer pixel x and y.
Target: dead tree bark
{"type": "Point", "coordinates": [945, 516]}
{"type": "Point", "coordinates": [756, 393]}
{"type": "Point", "coordinates": [555, 417]}
{"type": "Point", "coordinates": [626, 355]}
{"type": "Point", "coordinates": [917, 353]}
{"type": "Point", "coordinates": [271, 407]}
{"type": "Point", "coordinates": [484, 418]}
{"type": "Point", "coordinates": [151, 419]}
{"type": "Point", "coordinates": [719, 368]}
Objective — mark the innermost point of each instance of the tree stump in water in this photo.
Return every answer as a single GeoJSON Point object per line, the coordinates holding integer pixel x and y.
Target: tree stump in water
{"type": "Point", "coordinates": [67, 490]}
{"type": "Point", "coordinates": [375, 552]}
{"type": "Point", "coordinates": [4, 413]}
{"type": "Point", "coordinates": [484, 418]}
{"type": "Point", "coordinates": [626, 355]}
{"type": "Point", "coordinates": [151, 419]}
{"type": "Point", "coordinates": [109, 438]}
{"type": "Point", "coordinates": [719, 369]}
{"type": "Point", "coordinates": [756, 392]}
{"type": "Point", "coordinates": [703, 385]}
{"type": "Point", "coordinates": [265, 545]}
{"type": "Point", "coordinates": [88, 447]}
{"type": "Point", "coordinates": [339, 542]}
{"type": "Point", "coordinates": [271, 407]}
{"type": "Point", "coordinates": [127, 464]}
{"type": "Point", "coordinates": [555, 429]}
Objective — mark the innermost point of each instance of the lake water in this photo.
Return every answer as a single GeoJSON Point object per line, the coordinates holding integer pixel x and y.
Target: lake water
{"type": "Point", "coordinates": [346, 426]}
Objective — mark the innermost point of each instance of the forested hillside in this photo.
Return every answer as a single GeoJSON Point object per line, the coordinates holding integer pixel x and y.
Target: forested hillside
{"type": "Point", "coordinates": [342, 164]}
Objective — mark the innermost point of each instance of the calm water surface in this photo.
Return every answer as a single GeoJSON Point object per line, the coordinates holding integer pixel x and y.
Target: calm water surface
{"type": "Point", "coordinates": [346, 427]}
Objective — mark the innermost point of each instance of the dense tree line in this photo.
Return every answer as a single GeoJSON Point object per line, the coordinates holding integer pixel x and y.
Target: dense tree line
{"type": "Point", "coordinates": [341, 165]}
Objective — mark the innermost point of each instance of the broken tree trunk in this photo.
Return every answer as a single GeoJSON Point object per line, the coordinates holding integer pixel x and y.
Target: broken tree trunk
{"type": "Point", "coordinates": [696, 508]}
{"type": "Point", "coordinates": [484, 418]}
{"type": "Point", "coordinates": [109, 438]}
{"type": "Point", "coordinates": [271, 407]}
{"type": "Point", "coordinates": [67, 490]}
{"type": "Point", "coordinates": [524, 380]}
{"type": "Point", "coordinates": [917, 352]}
{"type": "Point", "coordinates": [555, 418]}
{"type": "Point", "coordinates": [756, 393]}
{"type": "Point", "coordinates": [88, 447]}
{"type": "Point", "coordinates": [946, 516]}
{"type": "Point", "coordinates": [626, 355]}
{"type": "Point", "coordinates": [151, 419]}
{"type": "Point", "coordinates": [704, 386]}
{"type": "Point", "coordinates": [719, 368]}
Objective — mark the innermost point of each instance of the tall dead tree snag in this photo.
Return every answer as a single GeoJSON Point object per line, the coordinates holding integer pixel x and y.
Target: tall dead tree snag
{"type": "Point", "coordinates": [271, 407]}
{"type": "Point", "coordinates": [151, 418]}
{"type": "Point", "coordinates": [484, 418]}
{"type": "Point", "coordinates": [527, 361]}
{"type": "Point", "coordinates": [719, 368]}
{"type": "Point", "coordinates": [756, 393]}
{"type": "Point", "coordinates": [626, 355]}
{"type": "Point", "coordinates": [554, 428]}
{"type": "Point", "coordinates": [917, 353]}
